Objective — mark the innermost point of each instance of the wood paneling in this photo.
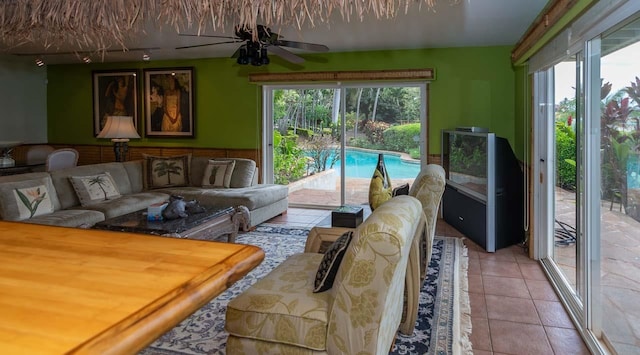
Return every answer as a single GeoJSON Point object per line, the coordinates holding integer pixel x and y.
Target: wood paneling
{"type": "Point", "coordinates": [94, 154]}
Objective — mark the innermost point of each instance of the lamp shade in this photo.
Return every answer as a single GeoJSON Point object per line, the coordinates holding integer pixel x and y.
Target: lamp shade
{"type": "Point", "coordinates": [119, 127]}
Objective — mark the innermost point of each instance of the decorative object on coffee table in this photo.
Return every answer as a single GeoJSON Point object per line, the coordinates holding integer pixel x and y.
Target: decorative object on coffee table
{"type": "Point", "coordinates": [380, 186]}
{"type": "Point", "coordinates": [347, 216]}
{"type": "Point", "coordinates": [179, 208]}
{"type": "Point", "coordinates": [208, 225]}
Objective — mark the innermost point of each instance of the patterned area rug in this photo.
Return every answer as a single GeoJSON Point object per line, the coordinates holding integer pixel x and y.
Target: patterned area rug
{"type": "Point", "coordinates": [443, 324]}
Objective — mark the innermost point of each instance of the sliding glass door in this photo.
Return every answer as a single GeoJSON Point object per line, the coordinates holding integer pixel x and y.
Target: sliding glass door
{"type": "Point", "coordinates": [324, 141]}
{"type": "Point", "coordinates": [588, 193]}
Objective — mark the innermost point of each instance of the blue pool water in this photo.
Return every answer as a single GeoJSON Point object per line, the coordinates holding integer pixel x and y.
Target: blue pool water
{"type": "Point", "coordinates": [361, 164]}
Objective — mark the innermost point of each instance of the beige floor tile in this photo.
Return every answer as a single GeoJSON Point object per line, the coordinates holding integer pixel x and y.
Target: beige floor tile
{"type": "Point", "coordinates": [553, 314]}
{"type": "Point", "coordinates": [505, 286]}
{"type": "Point", "coordinates": [500, 268]}
{"type": "Point", "coordinates": [518, 338]}
{"type": "Point", "coordinates": [478, 305]}
{"type": "Point", "coordinates": [541, 290]}
{"type": "Point", "coordinates": [566, 341]}
{"type": "Point", "coordinates": [511, 309]}
{"type": "Point", "coordinates": [480, 337]}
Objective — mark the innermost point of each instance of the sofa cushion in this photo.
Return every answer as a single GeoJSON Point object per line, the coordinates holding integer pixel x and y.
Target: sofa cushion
{"type": "Point", "coordinates": [93, 189]}
{"type": "Point", "coordinates": [128, 203]}
{"type": "Point", "coordinates": [282, 307]}
{"type": "Point", "coordinates": [161, 172]}
{"type": "Point", "coordinates": [330, 263]}
{"type": "Point", "coordinates": [252, 197]}
{"type": "Point", "coordinates": [69, 218]}
{"type": "Point", "coordinates": [20, 200]}
{"type": "Point", "coordinates": [67, 194]}
{"type": "Point", "coordinates": [218, 173]}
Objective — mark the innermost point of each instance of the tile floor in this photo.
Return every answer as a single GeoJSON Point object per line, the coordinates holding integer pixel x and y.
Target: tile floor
{"type": "Point", "coordinates": [514, 310]}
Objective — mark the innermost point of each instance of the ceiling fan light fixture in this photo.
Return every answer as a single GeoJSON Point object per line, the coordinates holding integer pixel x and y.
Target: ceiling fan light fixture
{"type": "Point", "coordinates": [263, 56]}
{"type": "Point", "coordinates": [243, 58]}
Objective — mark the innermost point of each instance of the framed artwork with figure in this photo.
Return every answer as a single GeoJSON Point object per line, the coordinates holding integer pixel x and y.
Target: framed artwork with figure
{"type": "Point", "coordinates": [169, 96]}
{"type": "Point", "coordinates": [115, 93]}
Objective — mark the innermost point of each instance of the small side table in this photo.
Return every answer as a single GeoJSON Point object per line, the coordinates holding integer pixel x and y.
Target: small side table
{"type": "Point", "coordinates": [347, 216]}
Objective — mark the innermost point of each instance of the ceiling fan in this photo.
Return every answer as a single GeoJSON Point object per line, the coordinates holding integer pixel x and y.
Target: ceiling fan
{"type": "Point", "coordinates": [254, 49]}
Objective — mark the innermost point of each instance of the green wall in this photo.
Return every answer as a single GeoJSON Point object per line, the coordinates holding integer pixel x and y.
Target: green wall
{"type": "Point", "coordinates": [473, 87]}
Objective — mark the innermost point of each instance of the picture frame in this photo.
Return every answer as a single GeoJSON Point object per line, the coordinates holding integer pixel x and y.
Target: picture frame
{"type": "Point", "coordinates": [169, 102]}
{"type": "Point", "coordinates": [115, 93]}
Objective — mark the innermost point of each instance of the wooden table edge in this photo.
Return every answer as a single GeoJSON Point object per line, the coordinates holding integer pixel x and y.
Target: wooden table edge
{"type": "Point", "coordinates": [148, 324]}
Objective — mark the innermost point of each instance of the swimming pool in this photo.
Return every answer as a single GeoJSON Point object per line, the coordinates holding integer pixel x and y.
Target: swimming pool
{"type": "Point", "coordinates": [361, 164]}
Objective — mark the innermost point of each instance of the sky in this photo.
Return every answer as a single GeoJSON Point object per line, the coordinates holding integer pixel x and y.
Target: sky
{"type": "Point", "coordinates": [619, 68]}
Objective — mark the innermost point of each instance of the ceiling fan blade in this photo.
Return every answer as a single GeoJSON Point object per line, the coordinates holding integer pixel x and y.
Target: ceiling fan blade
{"type": "Point", "coordinates": [285, 54]}
{"type": "Point", "coordinates": [208, 36]}
{"type": "Point", "coordinates": [204, 45]}
{"type": "Point", "coordinates": [302, 45]}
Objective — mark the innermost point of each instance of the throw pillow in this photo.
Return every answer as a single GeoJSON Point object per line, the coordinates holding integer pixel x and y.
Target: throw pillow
{"type": "Point", "coordinates": [218, 173]}
{"type": "Point", "coordinates": [161, 172]}
{"type": "Point", "coordinates": [400, 190]}
{"type": "Point", "coordinates": [22, 200]}
{"type": "Point", "coordinates": [330, 264]}
{"type": "Point", "coordinates": [92, 189]}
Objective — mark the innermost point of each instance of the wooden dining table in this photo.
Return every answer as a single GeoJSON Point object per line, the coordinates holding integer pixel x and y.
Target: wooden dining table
{"type": "Point", "coordinates": [79, 291]}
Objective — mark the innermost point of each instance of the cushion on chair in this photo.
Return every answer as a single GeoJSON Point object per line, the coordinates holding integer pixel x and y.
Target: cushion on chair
{"type": "Point", "coordinates": [270, 311]}
{"type": "Point", "coordinates": [331, 262]}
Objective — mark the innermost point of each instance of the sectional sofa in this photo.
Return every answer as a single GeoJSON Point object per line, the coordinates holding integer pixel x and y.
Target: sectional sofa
{"type": "Point", "coordinates": [84, 195]}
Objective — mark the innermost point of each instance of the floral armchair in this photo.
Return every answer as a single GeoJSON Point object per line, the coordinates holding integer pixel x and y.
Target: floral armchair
{"type": "Point", "coordinates": [360, 314]}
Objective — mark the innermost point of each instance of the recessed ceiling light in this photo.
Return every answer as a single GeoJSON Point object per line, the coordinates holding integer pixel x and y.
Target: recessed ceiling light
{"type": "Point", "coordinates": [39, 62]}
{"type": "Point", "coordinates": [146, 56]}
{"type": "Point", "coordinates": [86, 59]}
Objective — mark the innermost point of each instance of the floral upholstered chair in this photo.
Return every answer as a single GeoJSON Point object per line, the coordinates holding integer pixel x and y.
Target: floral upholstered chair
{"type": "Point", "coordinates": [428, 188]}
{"type": "Point", "coordinates": [359, 314]}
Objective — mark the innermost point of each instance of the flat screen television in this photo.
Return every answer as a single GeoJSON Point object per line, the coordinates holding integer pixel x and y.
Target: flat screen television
{"type": "Point", "coordinates": [469, 161]}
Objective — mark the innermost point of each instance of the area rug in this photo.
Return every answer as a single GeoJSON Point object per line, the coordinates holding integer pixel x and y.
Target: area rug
{"type": "Point", "coordinates": [443, 324]}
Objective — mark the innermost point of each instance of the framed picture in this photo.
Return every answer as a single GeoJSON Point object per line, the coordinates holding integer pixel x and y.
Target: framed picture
{"type": "Point", "coordinates": [115, 93]}
{"type": "Point", "coordinates": [168, 96]}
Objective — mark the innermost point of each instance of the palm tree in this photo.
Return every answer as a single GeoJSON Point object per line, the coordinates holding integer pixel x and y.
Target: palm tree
{"type": "Point", "coordinates": [99, 180]}
{"type": "Point", "coordinates": [167, 168]}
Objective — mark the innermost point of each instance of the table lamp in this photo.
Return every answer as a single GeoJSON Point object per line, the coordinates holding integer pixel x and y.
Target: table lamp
{"type": "Point", "coordinates": [120, 129]}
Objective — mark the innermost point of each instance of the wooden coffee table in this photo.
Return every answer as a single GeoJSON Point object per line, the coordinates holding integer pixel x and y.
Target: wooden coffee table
{"type": "Point", "coordinates": [208, 225]}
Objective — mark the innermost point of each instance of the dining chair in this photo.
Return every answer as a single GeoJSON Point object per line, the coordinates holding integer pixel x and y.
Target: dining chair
{"type": "Point", "coordinates": [62, 158]}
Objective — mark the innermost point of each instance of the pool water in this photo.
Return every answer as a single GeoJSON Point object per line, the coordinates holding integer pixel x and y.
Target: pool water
{"type": "Point", "coordinates": [361, 164]}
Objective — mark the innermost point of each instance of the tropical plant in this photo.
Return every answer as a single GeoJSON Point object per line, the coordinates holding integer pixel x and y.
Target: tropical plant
{"type": "Point", "coordinates": [565, 153]}
{"type": "Point", "coordinates": [289, 162]}
{"type": "Point", "coordinates": [167, 167]}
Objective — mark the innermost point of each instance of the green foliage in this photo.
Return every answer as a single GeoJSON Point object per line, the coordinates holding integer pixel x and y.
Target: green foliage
{"type": "Point", "coordinates": [306, 133]}
{"type": "Point", "coordinates": [374, 131]}
{"type": "Point", "coordinates": [565, 155]}
{"type": "Point", "coordinates": [401, 138]}
{"type": "Point", "coordinates": [289, 162]}
{"type": "Point", "coordinates": [414, 153]}
{"type": "Point", "coordinates": [471, 158]}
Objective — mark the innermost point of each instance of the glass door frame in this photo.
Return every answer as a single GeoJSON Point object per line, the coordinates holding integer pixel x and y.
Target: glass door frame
{"type": "Point", "coordinates": [267, 121]}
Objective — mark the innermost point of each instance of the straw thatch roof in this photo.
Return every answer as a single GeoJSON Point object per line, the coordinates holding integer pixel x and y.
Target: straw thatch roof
{"type": "Point", "coordinates": [99, 24]}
